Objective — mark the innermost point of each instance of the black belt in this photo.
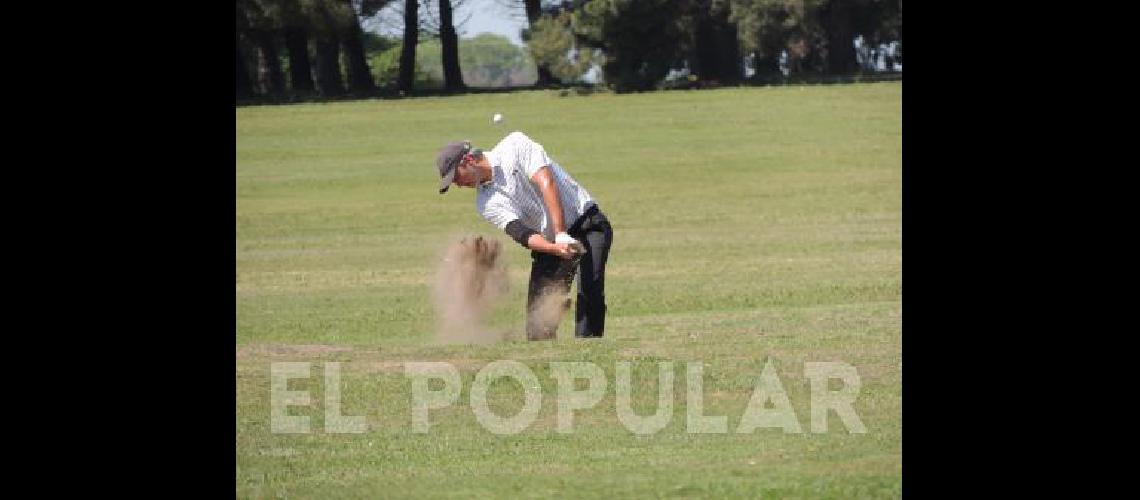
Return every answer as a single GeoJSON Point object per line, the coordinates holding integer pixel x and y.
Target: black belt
{"type": "Point", "coordinates": [577, 225]}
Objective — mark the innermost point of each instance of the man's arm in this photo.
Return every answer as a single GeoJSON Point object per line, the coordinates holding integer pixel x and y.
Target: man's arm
{"type": "Point", "coordinates": [549, 189]}
{"type": "Point", "coordinates": [533, 240]}
{"type": "Point", "coordinates": [532, 159]}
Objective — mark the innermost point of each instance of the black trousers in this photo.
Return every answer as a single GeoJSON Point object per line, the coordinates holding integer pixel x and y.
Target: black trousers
{"type": "Point", "coordinates": [549, 273]}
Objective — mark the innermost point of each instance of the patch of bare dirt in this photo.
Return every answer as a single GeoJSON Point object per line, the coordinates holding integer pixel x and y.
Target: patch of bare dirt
{"type": "Point", "coordinates": [287, 350]}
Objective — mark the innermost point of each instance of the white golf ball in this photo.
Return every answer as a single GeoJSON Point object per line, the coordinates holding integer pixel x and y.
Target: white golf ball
{"type": "Point", "coordinates": [497, 118]}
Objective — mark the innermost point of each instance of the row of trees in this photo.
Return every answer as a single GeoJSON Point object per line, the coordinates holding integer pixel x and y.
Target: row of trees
{"type": "Point", "coordinates": [319, 47]}
{"type": "Point", "coordinates": [486, 60]}
{"type": "Point", "coordinates": [637, 42]}
{"type": "Point", "coordinates": [325, 47]}
{"type": "Point", "coordinates": [322, 48]}
{"type": "Point", "coordinates": [314, 34]}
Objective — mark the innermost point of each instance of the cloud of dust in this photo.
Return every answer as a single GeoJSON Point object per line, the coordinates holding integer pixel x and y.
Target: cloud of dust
{"type": "Point", "coordinates": [547, 312]}
{"type": "Point", "coordinates": [471, 278]}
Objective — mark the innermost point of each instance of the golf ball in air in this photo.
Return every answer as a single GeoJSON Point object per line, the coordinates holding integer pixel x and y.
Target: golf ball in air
{"type": "Point", "coordinates": [497, 118]}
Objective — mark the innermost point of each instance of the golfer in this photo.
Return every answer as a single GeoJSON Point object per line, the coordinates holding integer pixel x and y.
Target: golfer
{"type": "Point", "coordinates": [523, 192]}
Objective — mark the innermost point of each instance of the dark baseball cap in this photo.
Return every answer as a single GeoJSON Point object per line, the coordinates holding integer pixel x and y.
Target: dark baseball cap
{"type": "Point", "coordinates": [448, 160]}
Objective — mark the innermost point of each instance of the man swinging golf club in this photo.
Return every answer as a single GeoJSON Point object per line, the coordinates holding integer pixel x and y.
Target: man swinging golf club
{"type": "Point", "coordinates": [523, 192]}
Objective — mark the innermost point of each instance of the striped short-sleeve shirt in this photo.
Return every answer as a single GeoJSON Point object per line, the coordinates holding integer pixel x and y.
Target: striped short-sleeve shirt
{"type": "Point", "coordinates": [510, 195]}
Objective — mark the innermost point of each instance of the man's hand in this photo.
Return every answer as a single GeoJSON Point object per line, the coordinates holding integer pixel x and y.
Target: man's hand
{"type": "Point", "coordinates": [574, 244]}
{"type": "Point", "coordinates": [539, 244]}
{"type": "Point", "coordinates": [564, 250]}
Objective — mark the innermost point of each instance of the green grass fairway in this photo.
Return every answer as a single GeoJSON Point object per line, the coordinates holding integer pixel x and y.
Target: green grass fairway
{"type": "Point", "coordinates": [751, 225]}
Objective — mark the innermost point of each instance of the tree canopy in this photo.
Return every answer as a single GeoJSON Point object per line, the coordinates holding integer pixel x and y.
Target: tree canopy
{"type": "Point", "coordinates": [302, 47]}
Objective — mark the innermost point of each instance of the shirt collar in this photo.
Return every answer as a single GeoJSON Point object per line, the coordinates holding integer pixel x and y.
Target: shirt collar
{"type": "Point", "coordinates": [494, 160]}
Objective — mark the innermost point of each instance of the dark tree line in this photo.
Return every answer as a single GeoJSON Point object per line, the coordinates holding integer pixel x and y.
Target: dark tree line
{"type": "Point", "coordinates": [636, 43]}
{"type": "Point", "coordinates": [640, 41]}
{"type": "Point", "coordinates": [323, 45]}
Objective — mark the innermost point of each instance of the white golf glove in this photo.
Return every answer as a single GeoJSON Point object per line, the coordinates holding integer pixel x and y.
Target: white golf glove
{"type": "Point", "coordinates": [575, 245]}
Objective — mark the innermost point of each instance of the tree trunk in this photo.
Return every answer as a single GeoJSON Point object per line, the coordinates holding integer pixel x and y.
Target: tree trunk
{"type": "Point", "coordinates": [731, 60]}
{"type": "Point", "coordinates": [452, 76]}
{"type": "Point", "coordinates": [407, 79]}
{"type": "Point", "coordinates": [767, 68]}
{"type": "Point", "coordinates": [840, 50]}
{"type": "Point", "coordinates": [533, 12]}
{"type": "Point", "coordinates": [242, 87]}
{"type": "Point", "coordinates": [717, 47]}
{"type": "Point", "coordinates": [300, 71]}
{"type": "Point", "coordinates": [269, 77]}
{"type": "Point", "coordinates": [359, 76]}
{"type": "Point", "coordinates": [329, 82]}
